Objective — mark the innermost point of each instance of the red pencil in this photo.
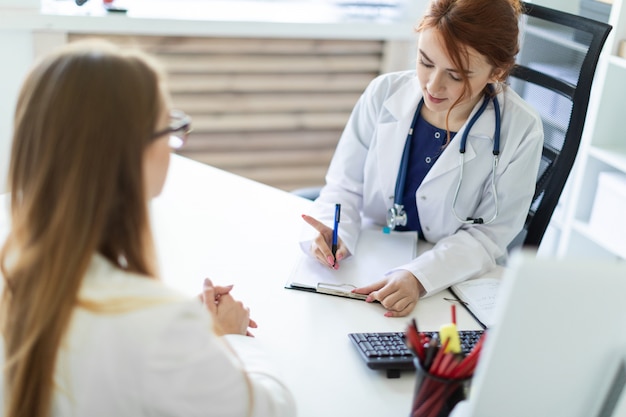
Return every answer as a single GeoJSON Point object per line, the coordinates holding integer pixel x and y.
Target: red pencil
{"type": "Point", "coordinates": [414, 340]}
{"type": "Point", "coordinates": [468, 364]}
{"type": "Point", "coordinates": [438, 356]}
{"type": "Point", "coordinates": [453, 311]}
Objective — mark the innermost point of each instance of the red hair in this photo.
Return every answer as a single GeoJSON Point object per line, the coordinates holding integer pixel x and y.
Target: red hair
{"type": "Point", "coordinates": [488, 26]}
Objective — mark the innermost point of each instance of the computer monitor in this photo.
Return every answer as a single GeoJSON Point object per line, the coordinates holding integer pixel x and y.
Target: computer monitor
{"type": "Point", "coordinates": [557, 344]}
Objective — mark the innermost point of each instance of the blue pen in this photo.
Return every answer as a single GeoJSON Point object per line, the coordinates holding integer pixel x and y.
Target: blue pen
{"type": "Point", "coordinates": [335, 232]}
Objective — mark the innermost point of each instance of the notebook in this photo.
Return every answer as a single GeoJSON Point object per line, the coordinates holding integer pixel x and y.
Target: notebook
{"type": "Point", "coordinates": [558, 344]}
{"type": "Point", "coordinates": [479, 295]}
{"type": "Point", "coordinates": [376, 254]}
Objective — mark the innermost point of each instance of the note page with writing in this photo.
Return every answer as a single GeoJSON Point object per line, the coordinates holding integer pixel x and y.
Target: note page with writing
{"type": "Point", "coordinates": [376, 254]}
{"type": "Point", "coordinates": [479, 295]}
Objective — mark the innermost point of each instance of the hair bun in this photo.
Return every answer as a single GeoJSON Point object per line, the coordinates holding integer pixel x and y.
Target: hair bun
{"type": "Point", "coordinates": [518, 6]}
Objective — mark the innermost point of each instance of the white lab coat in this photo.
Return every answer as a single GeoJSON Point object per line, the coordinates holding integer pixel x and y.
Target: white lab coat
{"type": "Point", "coordinates": [362, 177]}
{"type": "Point", "coordinates": [157, 356]}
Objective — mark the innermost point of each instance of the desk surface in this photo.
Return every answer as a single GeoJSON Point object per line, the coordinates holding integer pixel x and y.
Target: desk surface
{"type": "Point", "coordinates": [210, 223]}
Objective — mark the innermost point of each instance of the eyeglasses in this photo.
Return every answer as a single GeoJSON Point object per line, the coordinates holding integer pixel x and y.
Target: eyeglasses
{"type": "Point", "coordinates": [179, 129]}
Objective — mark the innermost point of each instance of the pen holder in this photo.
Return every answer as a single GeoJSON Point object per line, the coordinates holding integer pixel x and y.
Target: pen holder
{"type": "Point", "coordinates": [436, 396]}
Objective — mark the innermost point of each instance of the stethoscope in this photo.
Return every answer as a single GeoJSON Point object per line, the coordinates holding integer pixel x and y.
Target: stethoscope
{"type": "Point", "coordinates": [396, 216]}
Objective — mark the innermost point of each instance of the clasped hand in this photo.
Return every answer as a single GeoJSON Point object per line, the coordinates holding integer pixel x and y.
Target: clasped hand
{"type": "Point", "coordinates": [230, 315]}
{"type": "Point", "coordinates": [398, 292]}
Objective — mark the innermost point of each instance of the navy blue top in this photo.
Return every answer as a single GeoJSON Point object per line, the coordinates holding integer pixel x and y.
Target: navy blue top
{"type": "Point", "coordinates": [426, 146]}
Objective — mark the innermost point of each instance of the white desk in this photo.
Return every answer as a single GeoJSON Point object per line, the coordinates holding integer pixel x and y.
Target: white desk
{"type": "Point", "coordinates": [211, 223]}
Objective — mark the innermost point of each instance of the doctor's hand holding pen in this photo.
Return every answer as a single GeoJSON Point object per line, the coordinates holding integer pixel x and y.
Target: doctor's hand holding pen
{"type": "Point", "coordinates": [327, 247]}
{"type": "Point", "coordinates": [398, 292]}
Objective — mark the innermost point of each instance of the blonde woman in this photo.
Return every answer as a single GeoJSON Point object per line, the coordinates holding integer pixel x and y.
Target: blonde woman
{"type": "Point", "coordinates": [87, 327]}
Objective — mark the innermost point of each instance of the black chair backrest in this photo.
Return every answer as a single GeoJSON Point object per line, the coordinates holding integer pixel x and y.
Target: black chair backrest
{"type": "Point", "coordinates": [557, 60]}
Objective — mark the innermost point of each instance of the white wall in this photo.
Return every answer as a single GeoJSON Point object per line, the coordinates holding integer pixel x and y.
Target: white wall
{"type": "Point", "coordinates": [17, 50]}
{"type": "Point", "coordinates": [20, 4]}
{"type": "Point", "coordinates": [570, 6]}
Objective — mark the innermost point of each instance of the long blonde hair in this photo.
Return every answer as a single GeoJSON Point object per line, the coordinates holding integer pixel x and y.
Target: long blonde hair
{"type": "Point", "coordinates": [83, 119]}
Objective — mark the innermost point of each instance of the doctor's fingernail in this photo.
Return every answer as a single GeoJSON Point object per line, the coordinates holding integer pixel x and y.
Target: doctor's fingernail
{"type": "Point", "coordinates": [369, 299]}
{"type": "Point", "coordinates": [330, 261]}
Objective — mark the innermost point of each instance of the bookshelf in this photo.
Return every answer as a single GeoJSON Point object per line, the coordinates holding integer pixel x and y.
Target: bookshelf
{"type": "Point", "coordinates": [585, 223]}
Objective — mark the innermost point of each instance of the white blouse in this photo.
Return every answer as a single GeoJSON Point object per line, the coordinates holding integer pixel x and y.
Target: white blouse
{"type": "Point", "coordinates": [153, 352]}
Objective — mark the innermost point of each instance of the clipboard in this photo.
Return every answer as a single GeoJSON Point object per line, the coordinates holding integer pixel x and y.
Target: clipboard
{"type": "Point", "coordinates": [376, 254]}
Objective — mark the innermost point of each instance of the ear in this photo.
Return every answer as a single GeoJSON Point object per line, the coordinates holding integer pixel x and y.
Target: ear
{"type": "Point", "coordinates": [496, 75]}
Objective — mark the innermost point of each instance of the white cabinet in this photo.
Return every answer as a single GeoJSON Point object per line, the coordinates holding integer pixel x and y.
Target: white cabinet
{"type": "Point", "coordinates": [591, 205]}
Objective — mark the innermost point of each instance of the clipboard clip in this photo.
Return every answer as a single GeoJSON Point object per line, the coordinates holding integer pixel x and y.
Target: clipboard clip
{"type": "Point", "coordinates": [343, 290]}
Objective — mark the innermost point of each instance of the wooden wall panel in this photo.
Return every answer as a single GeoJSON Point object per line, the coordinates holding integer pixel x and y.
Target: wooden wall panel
{"type": "Point", "coordinates": [271, 110]}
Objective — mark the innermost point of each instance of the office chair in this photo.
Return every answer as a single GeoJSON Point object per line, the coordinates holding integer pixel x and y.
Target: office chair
{"type": "Point", "coordinates": [554, 73]}
{"type": "Point", "coordinates": [558, 56]}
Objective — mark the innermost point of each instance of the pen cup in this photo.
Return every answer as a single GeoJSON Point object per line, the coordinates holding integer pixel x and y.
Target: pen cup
{"type": "Point", "coordinates": [436, 396]}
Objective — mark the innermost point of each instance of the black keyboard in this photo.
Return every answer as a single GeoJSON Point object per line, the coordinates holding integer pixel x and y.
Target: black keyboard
{"type": "Point", "coordinates": [388, 350]}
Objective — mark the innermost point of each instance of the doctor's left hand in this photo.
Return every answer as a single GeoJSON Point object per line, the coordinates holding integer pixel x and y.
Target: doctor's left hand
{"type": "Point", "coordinates": [398, 292]}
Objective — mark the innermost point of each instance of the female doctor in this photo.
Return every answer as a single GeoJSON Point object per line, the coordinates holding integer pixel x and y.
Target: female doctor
{"type": "Point", "coordinates": [447, 150]}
